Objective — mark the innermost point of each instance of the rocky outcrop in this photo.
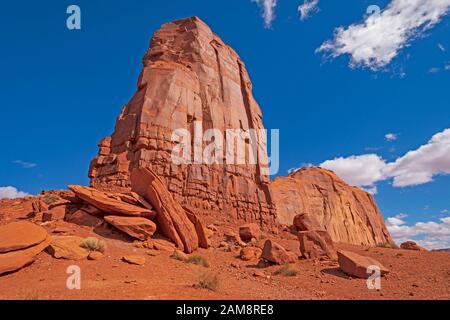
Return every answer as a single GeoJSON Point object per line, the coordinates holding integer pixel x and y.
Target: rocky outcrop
{"type": "Point", "coordinates": [20, 244]}
{"type": "Point", "coordinates": [20, 235]}
{"type": "Point", "coordinates": [16, 260]}
{"type": "Point", "coordinates": [349, 214]}
{"type": "Point", "coordinates": [172, 218]}
{"type": "Point", "coordinates": [358, 266]}
{"type": "Point", "coordinates": [136, 227]}
{"type": "Point", "coordinates": [249, 231]}
{"type": "Point", "coordinates": [112, 203]}
{"type": "Point", "coordinates": [275, 253]}
{"type": "Point", "coordinates": [411, 245]}
{"type": "Point", "coordinates": [316, 244]}
{"type": "Point", "coordinates": [67, 247]}
{"type": "Point", "coordinates": [191, 80]}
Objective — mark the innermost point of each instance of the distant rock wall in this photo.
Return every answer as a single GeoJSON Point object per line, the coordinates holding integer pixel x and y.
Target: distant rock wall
{"type": "Point", "coordinates": [349, 214]}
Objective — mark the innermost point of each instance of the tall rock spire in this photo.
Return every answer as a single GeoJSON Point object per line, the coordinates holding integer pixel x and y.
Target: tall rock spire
{"type": "Point", "coordinates": [190, 78]}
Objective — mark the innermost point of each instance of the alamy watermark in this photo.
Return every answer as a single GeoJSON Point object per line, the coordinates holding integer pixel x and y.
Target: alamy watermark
{"type": "Point", "coordinates": [73, 22]}
{"type": "Point", "coordinates": [232, 147]}
{"type": "Point", "coordinates": [374, 280]}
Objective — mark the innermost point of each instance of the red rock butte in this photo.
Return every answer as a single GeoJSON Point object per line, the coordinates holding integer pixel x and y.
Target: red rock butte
{"type": "Point", "coordinates": [190, 75]}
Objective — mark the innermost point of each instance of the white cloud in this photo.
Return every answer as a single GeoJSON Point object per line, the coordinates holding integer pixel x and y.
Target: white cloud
{"type": "Point", "coordinates": [268, 8]}
{"type": "Point", "coordinates": [376, 41]}
{"type": "Point", "coordinates": [362, 170]}
{"type": "Point", "coordinates": [307, 8]}
{"type": "Point", "coordinates": [431, 235]}
{"type": "Point", "coordinates": [391, 136]}
{"type": "Point", "coordinates": [414, 168]}
{"type": "Point", "coordinates": [11, 193]}
{"type": "Point", "coordinates": [421, 165]}
{"type": "Point", "coordinates": [441, 47]}
{"type": "Point", "coordinates": [24, 164]}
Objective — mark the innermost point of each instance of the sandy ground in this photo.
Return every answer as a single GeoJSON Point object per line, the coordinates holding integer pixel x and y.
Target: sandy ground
{"type": "Point", "coordinates": [414, 275]}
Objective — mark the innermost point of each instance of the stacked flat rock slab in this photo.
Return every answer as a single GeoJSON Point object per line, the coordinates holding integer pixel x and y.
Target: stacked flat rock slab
{"type": "Point", "coordinates": [20, 244]}
{"type": "Point", "coordinates": [136, 227]}
{"type": "Point", "coordinates": [112, 203]}
{"type": "Point", "coordinates": [190, 76]}
{"type": "Point", "coordinates": [349, 214]}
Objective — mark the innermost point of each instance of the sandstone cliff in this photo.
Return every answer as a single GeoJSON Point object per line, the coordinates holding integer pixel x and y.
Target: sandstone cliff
{"type": "Point", "coordinates": [348, 213]}
{"type": "Point", "coordinates": [190, 76]}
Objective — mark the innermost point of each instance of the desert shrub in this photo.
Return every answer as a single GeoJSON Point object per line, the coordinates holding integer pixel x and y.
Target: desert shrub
{"type": "Point", "coordinates": [286, 270]}
{"type": "Point", "coordinates": [178, 255]}
{"type": "Point", "coordinates": [50, 198]}
{"type": "Point", "coordinates": [94, 244]}
{"type": "Point", "coordinates": [207, 280]}
{"type": "Point", "coordinates": [198, 260]}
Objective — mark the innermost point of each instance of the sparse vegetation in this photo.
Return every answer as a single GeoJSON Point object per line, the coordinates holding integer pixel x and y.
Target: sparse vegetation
{"type": "Point", "coordinates": [207, 280]}
{"type": "Point", "coordinates": [94, 244]}
{"type": "Point", "coordinates": [286, 271]}
{"type": "Point", "coordinates": [178, 255]}
{"type": "Point", "coordinates": [198, 260]}
{"type": "Point", "coordinates": [50, 198]}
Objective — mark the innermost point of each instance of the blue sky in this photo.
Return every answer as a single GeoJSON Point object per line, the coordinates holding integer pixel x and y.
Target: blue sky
{"type": "Point", "coordinates": [62, 90]}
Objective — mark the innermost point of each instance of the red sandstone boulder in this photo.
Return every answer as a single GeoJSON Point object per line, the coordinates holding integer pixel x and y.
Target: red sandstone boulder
{"type": "Point", "coordinates": [411, 245]}
{"type": "Point", "coordinates": [249, 231]}
{"type": "Point", "coordinates": [355, 265]}
{"type": "Point", "coordinates": [82, 218]}
{"type": "Point", "coordinates": [67, 247]}
{"type": "Point", "coordinates": [56, 213]}
{"type": "Point", "coordinates": [316, 244]}
{"type": "Point", "coordinates": [15, 260]}
{"type": "Point", "coordinates": [20, 235]}
{"type": "Point", "coordinates": [275, 253]}
{"type": "Point", "coordinates": [135, 227]}
{"type": "Point", "coordinates": [109, 202]}
{"type": "Point", "coordinates": [172, 218]}
{"type": "Point", "coordinates": [232, 238]}
{"type": "Point", "coordinates": [250, 253]}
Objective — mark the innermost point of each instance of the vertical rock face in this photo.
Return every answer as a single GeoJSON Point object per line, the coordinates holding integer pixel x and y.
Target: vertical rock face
{"type": "Point", "coordinates": [191, 80]}
{"type": "Point", "coordinates": [349, 214]}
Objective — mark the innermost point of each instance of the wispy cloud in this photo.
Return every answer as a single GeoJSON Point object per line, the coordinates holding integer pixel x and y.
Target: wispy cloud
{"type": "Point", "coordinates": [24, 164]}
{"type": "Point", "coordinates": [441, 47]}
{"type": "Point", "coordinates": [414, 168]}
{"type": "Point", "coordinates": [308, 8]}
{"type": "Point", "coordinates": [11, 193]}
{"type": "Point", "coordinates": [268, 10]}
{"type": "Point", "coordinates": [391, 136]}
{"type": "Point", "coordinates": [376, 41]}
{"type": "Point", "coordinates": [431, 235]}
